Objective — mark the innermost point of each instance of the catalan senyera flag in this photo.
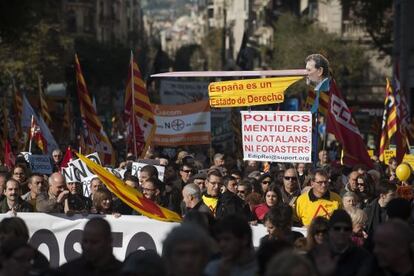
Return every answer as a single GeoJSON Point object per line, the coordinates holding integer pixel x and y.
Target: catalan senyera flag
{"type": "Point", "coordinates": [44, 109]}
{"type": "Point", "coordinates": [130, 196]}
{"type": "Point", "coordinates": [389, 120]}
{"type": "Point", "coordinates": [37, 136]}
{"type": "Point", "coordinates": [9, 158]}
{"type": "Point", "coordinates": [138, 115]}
{"type": "Point", "coordinates": [95, 137]}
{"type": "Point", "coordinates": [323, 101]}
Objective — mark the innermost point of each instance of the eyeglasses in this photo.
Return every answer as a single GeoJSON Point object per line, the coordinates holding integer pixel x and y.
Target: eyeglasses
{"type": "Point", "coordinates": [361, 184]}
{"type": "Point", "coordinates": [341, 228]}
{"type": "Point", "coordinates": [291, 178]}
{"type": "Point", "coordinates": [265, 182]}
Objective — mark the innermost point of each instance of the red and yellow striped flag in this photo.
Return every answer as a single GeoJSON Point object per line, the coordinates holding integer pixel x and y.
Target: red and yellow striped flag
{"type": "Point", "coordinates": [323, 101]}
{"type": "Point", "coordinates": [389, 120]}
{"type": "Point", "coordinates": [138, 116]}
{"type": "Point", "coordinates": [130, 196]}
{"type": "Point", "coordinates": [95, 137]}
{"type": "Point", "coordinates": [44, 109]}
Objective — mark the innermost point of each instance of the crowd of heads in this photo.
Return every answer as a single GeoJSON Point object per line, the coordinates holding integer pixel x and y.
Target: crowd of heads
{"type": "Point", "coordinates": [356, 211]}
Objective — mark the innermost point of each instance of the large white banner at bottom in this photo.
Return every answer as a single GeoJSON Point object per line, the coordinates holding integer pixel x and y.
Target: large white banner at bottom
{"type": "Point", "coordinates": [58, 237]}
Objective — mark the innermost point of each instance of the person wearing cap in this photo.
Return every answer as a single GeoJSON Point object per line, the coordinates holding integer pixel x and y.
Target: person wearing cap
{"type": "Point", "coordinates": [340, 255]}
{"type": "Point", "coordinates": [319, 201]}
{"type": "Point", "coordinates": [200, 180]}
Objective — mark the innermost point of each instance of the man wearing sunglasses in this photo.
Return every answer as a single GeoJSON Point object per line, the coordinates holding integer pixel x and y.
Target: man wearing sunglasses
{"type": "Point", "coordinates": [340, 254]}
{"type": "Point", "coordinates": [290, 189]}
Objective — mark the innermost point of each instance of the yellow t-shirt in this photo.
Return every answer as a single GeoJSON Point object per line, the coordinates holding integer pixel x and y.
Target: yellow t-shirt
{"type": "Point", "coordinates": [307, 209]}
{"type": "Point", "coordinates": [211, 202]}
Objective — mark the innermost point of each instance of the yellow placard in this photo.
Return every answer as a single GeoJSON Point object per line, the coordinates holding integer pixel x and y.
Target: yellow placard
{"type": "Point", "coordinates": [249, 92]}
{"type": "Point", "coordinates": [409, 158]}
{"type": "Point", "coordinates": [388, 154]}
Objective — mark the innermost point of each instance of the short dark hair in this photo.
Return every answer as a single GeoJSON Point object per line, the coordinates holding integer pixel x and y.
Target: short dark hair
{"type": "Point", "coordinates": [384, 187]}
{"type": "Point", "coordinates": [131, 178]}
{"type": "Point", "coordinates": [280, 216]}
{"type": "Point", "coordinates": [151, 170]}
{"type": "Point", "coordinates": [102, 224]}
{"type": "Point", "coordinates": [34, 175]}
{"type": "Point", "coordinates": [322, 172]}
{"type": "Point", "coordinates": [236, 225]}
{"type": "Point", "coordinates": [214, 173]}
{"type": "Point", "coordinates": [227, 179]}
{"type": "Point", "coordinates": [320, 62]}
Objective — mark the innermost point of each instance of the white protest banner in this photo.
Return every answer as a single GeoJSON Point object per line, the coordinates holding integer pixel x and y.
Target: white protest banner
{"type": "Point", "coordinates": [277, 136]}
{"type": "Point", "coordinates": [58, 237]}
{"type": "Point", "coordinates": [81, 170]}
{"type": "Point", "coordinates": [187, 124]}
{"type": "Point", "coordinates": [40, 164]}
{"type": "Point", "coordinates": [182, 92]}
{"type": "Point", "coordinates": [137, 166]}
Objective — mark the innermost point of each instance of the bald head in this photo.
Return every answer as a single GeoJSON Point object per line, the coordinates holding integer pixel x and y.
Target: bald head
{"type": "Point", "coordinates": [57, 183]}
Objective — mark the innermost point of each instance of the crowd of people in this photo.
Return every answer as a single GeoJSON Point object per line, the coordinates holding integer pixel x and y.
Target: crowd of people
{"type": "Point", "coordinates": [358, 221]}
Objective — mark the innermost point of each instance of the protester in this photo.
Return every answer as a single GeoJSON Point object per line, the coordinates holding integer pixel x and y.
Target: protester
{"type": "Point", "coordinates": [290, 263]}
{"type": "Point", "coordinates": [234, 237]}
{"type": "Point", "coordinates": [57, 157]}
{"type": "Point", "coordinates": [16, 258]}
{"type": "Point", "coordinates": [132, 181]}
{"type": "Point", "coordinates": [244, 188]}
{"type": "Point", "coordinates": [229, 203]}
{"type": "Point", "coordinates": [273, 197]}
{"type": "Point", "coordinates": [102, 203]}
{"type": "Point", "coordinates": [193, 201]}
{"type": "Point", "coordinates": [36, 186]}
{"type": "Point", "coordinates": [185, 173]}
{"type": "Point", "coordinates": [12, 201]}
{"type": "Point", "coordinates": [53, 200]}
{"type": "Point", "coordinates": [200, 180]}
{"type": "Point", "coordinates": [152, 189]}
{"type": "Point", "coordinates": [95, 184]}
{"type": "Point", "coordinates": [340, 256]}
{"type": "Point", "coordinates": [278, 223]}
{"type": "Point", "coordinates": [75, 201]}
{"type": "Point", "coordinates": [19, 173]}
{"type": "Point", "coordinates": [376, 210]}
{"type": "Point", "coordinates": [317, 232]}
{"type": "Point", "coordinates": [213, 185]}
{"type": "Point", "coordinates": [147, 172]}
{"type": "Point", "coordinates": [290, 189]}
{"type": "Point", "coordinates": [308, 205]}
{"type": "Point", "coordinates": [265, 180]}
{"type": "Point", "coordinates": [97, 257]}
{"type": "Point", "coordinates": [349, 200]}
{"type": "Point", "coordinates": [393, 249]}
{"type": "Point", "coordinates": [186, 250]}
{"type": "Point", "coordinates": [144, 263]}
{"type": "Point", "coordinates": [359, 219]}
{"type": "Point", "coordinates": [351, 185]}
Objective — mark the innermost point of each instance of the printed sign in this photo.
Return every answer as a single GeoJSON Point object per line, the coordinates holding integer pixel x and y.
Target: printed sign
{"type": "Point", "coordinates": [182, 92]}
{"type": "Point", "coordinates": [82, 171]}
{"type": "Point", "coordinates": [277, 136]}
{"type": "Point", "coordinates": [388, 154]}
{"type": "Point", "coordinates": [40, 164]}
{"type": "Point", "coordinates": [249, 92]}
{"type": "Point", "coordinates": [187, 124]}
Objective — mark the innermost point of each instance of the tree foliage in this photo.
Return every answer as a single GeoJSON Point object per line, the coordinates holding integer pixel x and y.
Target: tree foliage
{"type": "Point", "coordinates": [377, 18]}
{"type": "Point", "coordinates": [297, 38]}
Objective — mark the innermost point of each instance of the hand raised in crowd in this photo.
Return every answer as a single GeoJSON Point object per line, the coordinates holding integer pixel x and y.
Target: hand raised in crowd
{"type": "Point", "coordinates": [62, 196]}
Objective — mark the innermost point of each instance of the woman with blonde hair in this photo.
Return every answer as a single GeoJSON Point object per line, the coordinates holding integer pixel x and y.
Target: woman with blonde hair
{"type": "Point", "coordinates": [359, 219]}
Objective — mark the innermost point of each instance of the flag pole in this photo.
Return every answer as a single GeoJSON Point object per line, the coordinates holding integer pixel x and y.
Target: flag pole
{"type": "Point", "coordinates": [133, 106]}
{"type": "Point", "coordinates": [31, 135]}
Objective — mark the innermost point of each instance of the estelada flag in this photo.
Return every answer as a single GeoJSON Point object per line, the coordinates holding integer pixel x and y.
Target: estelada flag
{"type": "Point", "coordinates": [36, 135]}
{"type": "Point", "coordinates": [343, 126]}
{"type": "Point", "coordinates": [130, 196]}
